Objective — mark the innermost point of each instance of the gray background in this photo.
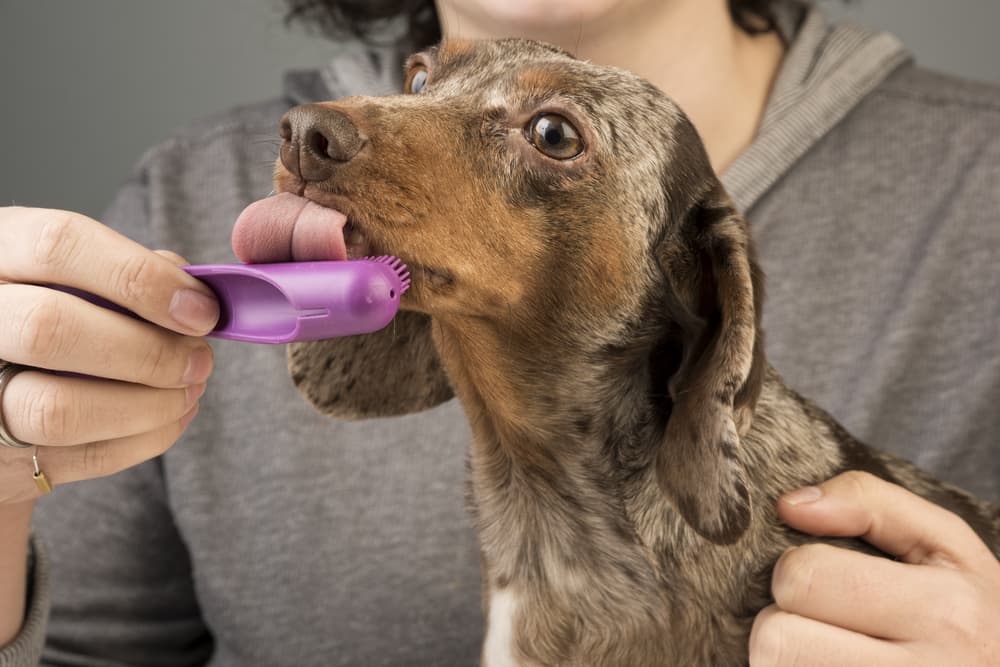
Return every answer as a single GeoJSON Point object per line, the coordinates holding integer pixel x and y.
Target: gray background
{"type": "Point", "coordinates": [87, 85]}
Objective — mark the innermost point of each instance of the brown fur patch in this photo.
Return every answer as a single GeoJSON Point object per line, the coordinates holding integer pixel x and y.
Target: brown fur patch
{"type": "Point", "coordinates": [391, 372]}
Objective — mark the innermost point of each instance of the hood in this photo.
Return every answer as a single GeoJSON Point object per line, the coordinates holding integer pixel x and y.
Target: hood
{"type": "Point", "coordinates": [827, 71]}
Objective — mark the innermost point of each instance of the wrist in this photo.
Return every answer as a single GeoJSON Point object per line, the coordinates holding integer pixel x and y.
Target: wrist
{"type": "Point", "coordinates": [15, 529]}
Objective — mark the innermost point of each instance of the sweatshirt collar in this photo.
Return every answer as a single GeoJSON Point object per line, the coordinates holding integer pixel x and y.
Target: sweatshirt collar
{"type": "Point", "coordinates": [356, 70]}
{"type": "Point", "coordinates": [827, 71]}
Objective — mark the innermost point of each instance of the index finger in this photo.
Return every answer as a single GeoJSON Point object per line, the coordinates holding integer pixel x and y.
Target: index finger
{"type": "Point", "coordinates": [897, 521]}
{"type": "Point", "coordinates": [65, 248]}
{"type": "Point", "coordinates": [875, 596]}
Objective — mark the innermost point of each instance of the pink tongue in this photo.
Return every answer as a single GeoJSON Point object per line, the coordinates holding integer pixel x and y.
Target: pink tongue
{"type": "Point", "coordinates": [288, 228]}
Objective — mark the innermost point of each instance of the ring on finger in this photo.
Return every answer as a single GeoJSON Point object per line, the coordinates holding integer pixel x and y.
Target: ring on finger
{"type": "Point", "coordinates": [7, 373]}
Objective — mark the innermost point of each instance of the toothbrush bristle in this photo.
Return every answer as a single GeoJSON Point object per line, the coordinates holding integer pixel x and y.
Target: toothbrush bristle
{"type": "Point", "coordinates": [399, 267]}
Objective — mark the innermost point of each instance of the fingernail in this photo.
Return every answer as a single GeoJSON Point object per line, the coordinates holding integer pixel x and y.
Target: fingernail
{"type": "Point", "coordinates": [194, 310]}
{"type": "Point", "coordinates": [199, 365]}
{"type": "Point", "coordinates": [807, 494]}
{"type": "Point", "coordinates": [193, 393]}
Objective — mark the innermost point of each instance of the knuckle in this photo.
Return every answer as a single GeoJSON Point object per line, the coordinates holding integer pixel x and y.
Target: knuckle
{"type": "Point", "coordinates": [58, 240]}
{"type": "Point", "coordinates": [155, 362]}
{"type": "Point", "coordinates": [128, 279]}
{"type": "Point", "coordinates": [857, 480]}
{"type": "Point", "coordinates": [40, 334]}
{"type": "Point", "coordinates": [768, 640]}
{"type": "Point", "coordinates": [172, 257]}
{"type": "Point", "coordinates": [95, 460]}
{"type": "Point", "coordinates": [795, 575]}
{"type": "Point", "coordinates": [47, 412]}
{"type": "Point", "coordinates": [960, 612]}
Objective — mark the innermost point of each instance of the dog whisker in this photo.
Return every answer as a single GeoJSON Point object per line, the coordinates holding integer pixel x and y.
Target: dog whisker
{"type": "Point", "coordinates": [409, 211]}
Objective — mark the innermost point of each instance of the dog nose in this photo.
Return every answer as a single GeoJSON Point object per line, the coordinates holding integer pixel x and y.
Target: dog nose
{"type": "Point", "coordinates": [315, 139]}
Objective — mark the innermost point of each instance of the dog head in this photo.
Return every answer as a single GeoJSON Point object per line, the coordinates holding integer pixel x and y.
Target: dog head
{"type": "Point", "coordinates": [534, 193]}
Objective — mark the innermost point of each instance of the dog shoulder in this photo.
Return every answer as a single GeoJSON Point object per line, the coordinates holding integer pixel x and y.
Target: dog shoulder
{"type": "Point", "coordinates": [982, 516]}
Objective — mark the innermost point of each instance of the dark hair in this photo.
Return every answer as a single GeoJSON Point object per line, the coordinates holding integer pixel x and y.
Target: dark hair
{"type": "Point", "coordinates": [363, 18]}
{"type": "Point", "coordinates": [753, 16]}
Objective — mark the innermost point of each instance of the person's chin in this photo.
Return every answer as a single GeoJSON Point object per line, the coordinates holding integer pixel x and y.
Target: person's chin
{"type": "Point", "coordinates": [529, 16]}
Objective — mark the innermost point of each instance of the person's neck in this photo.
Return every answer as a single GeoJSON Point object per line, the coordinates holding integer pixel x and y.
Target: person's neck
{"type": "Point", "coordinates": [690, 49]}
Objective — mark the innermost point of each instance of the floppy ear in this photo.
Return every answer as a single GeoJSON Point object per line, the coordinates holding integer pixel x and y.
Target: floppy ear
{"type": "Point", "coordinates": [394, 371]}
{"type": "Point", "coordinates": [709, 262]}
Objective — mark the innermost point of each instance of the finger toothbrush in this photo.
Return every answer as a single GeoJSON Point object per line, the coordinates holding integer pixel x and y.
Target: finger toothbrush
{"type": "Point", "coordinates": [298, 301]}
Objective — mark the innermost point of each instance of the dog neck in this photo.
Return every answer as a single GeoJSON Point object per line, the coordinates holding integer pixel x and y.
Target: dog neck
{"type": "Point", "coordinates": [569, 513]}
{"type": "Point", "coordinates": [549, 493]}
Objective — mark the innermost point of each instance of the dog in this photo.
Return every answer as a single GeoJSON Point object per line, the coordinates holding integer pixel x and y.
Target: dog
{"type": "Point", "coordinates": [583, 284]}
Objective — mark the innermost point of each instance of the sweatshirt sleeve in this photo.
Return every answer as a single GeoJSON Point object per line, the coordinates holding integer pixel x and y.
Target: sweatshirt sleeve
{"type": "Point", "coordinates": [122, 591]}
{"type": "Point", "coordinates": [26, 649]}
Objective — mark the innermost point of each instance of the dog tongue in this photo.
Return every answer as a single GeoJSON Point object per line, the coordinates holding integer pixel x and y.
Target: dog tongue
{"type": "Point", "coordinates": [288, 228]}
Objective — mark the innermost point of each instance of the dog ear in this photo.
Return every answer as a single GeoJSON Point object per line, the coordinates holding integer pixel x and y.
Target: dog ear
{"type": "Point", "coordinates": [394, 371]}
{"type": "Point", "coordinates": [710, 266]}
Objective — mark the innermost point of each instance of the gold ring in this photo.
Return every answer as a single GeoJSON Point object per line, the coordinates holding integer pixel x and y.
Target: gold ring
{"type": "Point", "coordinates": [41, 481]}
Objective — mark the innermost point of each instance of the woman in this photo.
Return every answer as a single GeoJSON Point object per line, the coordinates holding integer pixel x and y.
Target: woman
{"type": "Point", "coordinates": [273, 536]}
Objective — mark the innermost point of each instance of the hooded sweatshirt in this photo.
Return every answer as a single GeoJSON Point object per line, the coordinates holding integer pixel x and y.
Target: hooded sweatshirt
{"type": "Point", "coordinates": [271, 535]}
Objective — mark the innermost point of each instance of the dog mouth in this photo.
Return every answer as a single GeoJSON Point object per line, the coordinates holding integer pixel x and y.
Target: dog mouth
{"type": "Point", "coordinates": [356, 242]}
{"type": "Point", "coordinates": [291, 228]}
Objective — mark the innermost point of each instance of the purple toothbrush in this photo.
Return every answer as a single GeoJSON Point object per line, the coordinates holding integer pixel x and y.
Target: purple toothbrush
{"type": "Point", "coordinates": [298, 301]}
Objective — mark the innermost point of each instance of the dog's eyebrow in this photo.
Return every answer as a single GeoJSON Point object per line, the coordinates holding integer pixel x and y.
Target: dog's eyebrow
{"type": "Point", "coordinates": [449, 54]}
{"type": "Point", "coordinates": [431, 55]}
{"type": "Point", "coordinates": [416, 58]}
{"type": "Point", "coordinates": [537, 85]}
{"type": "Point", "coordinates": [454, 53]}
{"type": "Point", "coordinates": [455, 47]}
{"type": "Point", "coordinates": [537, 81]}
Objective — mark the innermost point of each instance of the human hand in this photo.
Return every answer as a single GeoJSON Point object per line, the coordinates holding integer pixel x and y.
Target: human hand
{"type": "Point", "coordinates": [145, 378]}
{"type": "Point", "coordinates": [938, 605]}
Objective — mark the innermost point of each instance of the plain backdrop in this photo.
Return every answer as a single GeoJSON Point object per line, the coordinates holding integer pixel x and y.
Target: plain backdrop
{"type": "Point", "coordinates": [87, 85]}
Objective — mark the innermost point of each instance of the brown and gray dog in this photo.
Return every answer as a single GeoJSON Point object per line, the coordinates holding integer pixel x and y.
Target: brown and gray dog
{"type": "Point", "coordinates": [585, 287]}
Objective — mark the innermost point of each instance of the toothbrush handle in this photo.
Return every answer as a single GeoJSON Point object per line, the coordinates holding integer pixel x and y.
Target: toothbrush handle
{"type": "Point", "coordinates": [295, 301]}
{"type": "Point", "coordinates": [300, 301]}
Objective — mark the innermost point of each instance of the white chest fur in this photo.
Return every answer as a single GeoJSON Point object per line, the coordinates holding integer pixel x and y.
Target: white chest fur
{"type": "Point", "coordinates": [498, 650]}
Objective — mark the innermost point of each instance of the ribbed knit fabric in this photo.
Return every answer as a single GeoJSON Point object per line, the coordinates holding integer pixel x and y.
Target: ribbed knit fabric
{"type": "Point", "coordinates": [271, 535]}
{"type": "Point", "coordinates": [26, 649]}
{"type": "Point", "coordinates": [826, 71]}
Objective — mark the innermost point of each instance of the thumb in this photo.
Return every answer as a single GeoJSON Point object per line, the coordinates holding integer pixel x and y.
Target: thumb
{"type": "Point", "coordinates": [900, 523]}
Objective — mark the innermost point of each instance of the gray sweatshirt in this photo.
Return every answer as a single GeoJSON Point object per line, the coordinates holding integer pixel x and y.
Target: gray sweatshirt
{"type": "Point", "coordinates": [273, 536]}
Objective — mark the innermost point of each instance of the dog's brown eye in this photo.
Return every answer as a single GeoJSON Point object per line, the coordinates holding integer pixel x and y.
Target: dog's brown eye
{"type": "Point", "coordinates": [416, 79]}
{"type": "Point", "coordinates": [555, 136]}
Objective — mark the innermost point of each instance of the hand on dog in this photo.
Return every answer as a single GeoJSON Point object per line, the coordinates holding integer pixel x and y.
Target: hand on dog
{"type": "Point", "coordinates": [940, 605]}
